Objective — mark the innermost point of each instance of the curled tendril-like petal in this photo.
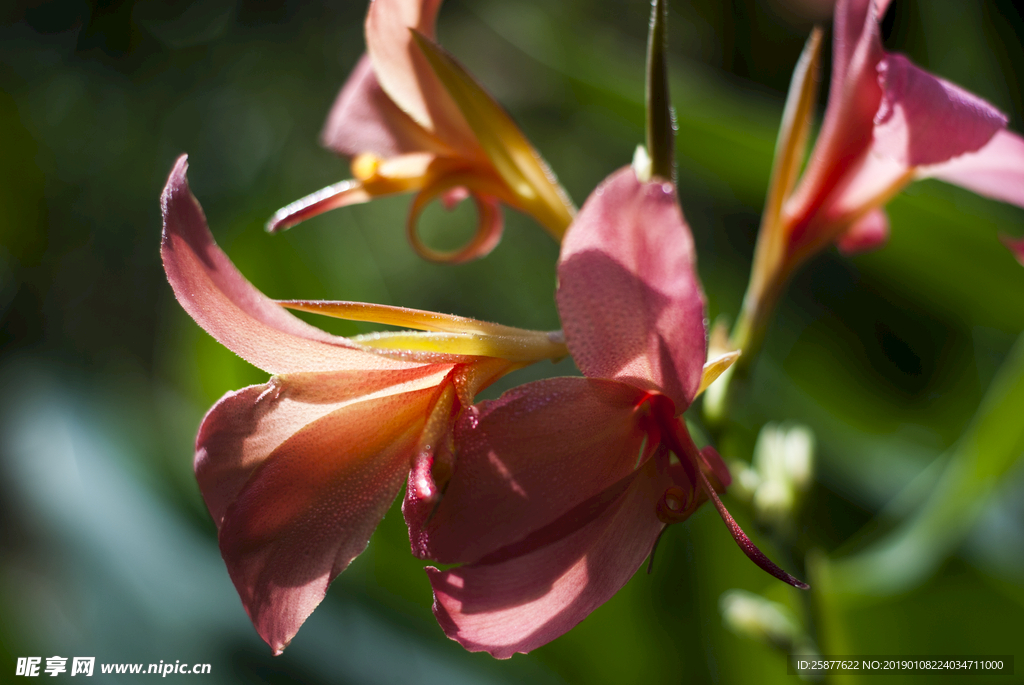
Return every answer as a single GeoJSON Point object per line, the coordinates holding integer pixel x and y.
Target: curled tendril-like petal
{"type": "Point", "coordinates": [490, 222]}
{"type": "Point", "coordinates": [674, 505]}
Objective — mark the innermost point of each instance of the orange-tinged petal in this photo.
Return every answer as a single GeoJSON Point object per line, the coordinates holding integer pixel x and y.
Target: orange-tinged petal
{"type": "Point", "coordinates": [531, 182]}
{"type": "Point", "coordinates": [246, 426]}
{"type": "Point", "coordinates": [310, 507]}
{"type": "Point", "coordinates": [231, 309]}
{"type": "Point", "coordinates": [405, 75]}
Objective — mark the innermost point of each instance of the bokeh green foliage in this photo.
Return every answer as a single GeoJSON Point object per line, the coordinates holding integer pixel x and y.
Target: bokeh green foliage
{"type": "Point", "coordinates": [107, 548]}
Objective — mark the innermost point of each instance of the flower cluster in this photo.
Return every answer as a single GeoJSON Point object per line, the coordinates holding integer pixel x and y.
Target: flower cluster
{"type": "Point", "coordinates": [543, 503]}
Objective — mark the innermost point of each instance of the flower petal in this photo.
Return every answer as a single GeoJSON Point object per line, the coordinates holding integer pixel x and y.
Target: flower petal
{"type": "Point", "coordinates": [343, 194]}
{"type": "Point", "coordinates": [533, 185]}
{"type": "Point", "coordinates": [245, 427]}
{"type": "Point", "coordinates": [229, 308]}
{"type": "Point", "coordinates": [524, 460]}
{"type": "Point", "coordinates": [924, 119]}
{"type": "Point", "coordinates": [364, 119]}
{"type": "Point", "coordinates": [867, 233]}
{"type": "Point", "coordinates": [853, 99]}
{"type": "Point", "coordinates": [628, 293]}
{"type": "Point", "coordinates": [521, 602]}
{"type": "Point", "coordinates": [996, 170]}
{"type": "Point", "coordinates": [405, 75]}
{"type": "Point", "coordinates": [310, 506]}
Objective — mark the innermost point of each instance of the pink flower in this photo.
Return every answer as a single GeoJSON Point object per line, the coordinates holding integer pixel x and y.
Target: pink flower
{"type": "Point", "coordinates": [887, 123]}
{"type": "Point", "coordinates": [413, 119]}
{"type": "Point", "coordinates": [563, 486]}
{"type": "Point", "coordinates": [298, 471]}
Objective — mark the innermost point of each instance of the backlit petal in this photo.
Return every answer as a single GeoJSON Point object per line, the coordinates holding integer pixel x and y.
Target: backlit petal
{"type": "Point", "coordinates": [924, 119]}
{"type": "Point", "coordinates": [628, 294]}
{"type": "Point", "coordinates": [229, 308]}
{"type": "Point", "coordinates": [523, 601]}
{"type": "Point", "coordinates": [405, 75]}
{"type": "Point", "coordinates": [524, 460]}
{"type": "Point", "coordinates": [533, 185]}
{"type": "Point", "coordinates": [995, 171]}
{"type": "Point", "coordinates": [246, 426]}
{"type": "Point", "coordinates": [364, 119]}
{"type": "Point", "coordinates": [310, 507]}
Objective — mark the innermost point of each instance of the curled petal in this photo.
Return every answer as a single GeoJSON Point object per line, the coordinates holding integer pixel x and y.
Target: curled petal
{"type": "Point", "coordinates": [406, 76]}
{"type": "Point", "coordinates": [628, 293]}
{"type": "Point", "coordinates": [867, 233]}
{"type": "Point", "coordinates": [924, 119]}
{"type": "Point", "coordinates": [310, 505]}
{"type": "Point", "coordinates": [526, 459]}
{"type": "Point", "coordinates": [995, 171]}
{"type": "Point", "coordinates": [341, 194]}
{"type": "Point", "coordinates": [518, 602]}
{"type": "Point", "coordinates": [364, 119]}
{"type": "Point", "coordinates": [231, 309]}
{"type": "Point", "coordinates": [490, 222]}
{"type": "Point", "coordinates": [374, 177]}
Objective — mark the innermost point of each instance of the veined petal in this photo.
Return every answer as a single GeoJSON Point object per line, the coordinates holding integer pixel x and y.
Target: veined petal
{"type": "Point", "coordinates": [867, 233]}
{"type": "Point", "coordinates": [924, 119]}
{"type": "Point", "coordinates": [526, 600]}
{"type": "Point", "coordinates": [310, 507]}
{"type": "Point", "coordinates": [245, 426]}
{"type": "Point", "coordinates": [364, 119]}
{"type": "Point", "coordinates": [405, 75]}
{"type": "Point", "coordinates": [229, 308]}
{"type": "Point", "coordinates": [628, 293]}
{"type": "Point", "coordinates": [531, 182]}
{"type": "Point", "coordinates": [525, 460]}
{"type": "Point", "coordinates": [996, 170]}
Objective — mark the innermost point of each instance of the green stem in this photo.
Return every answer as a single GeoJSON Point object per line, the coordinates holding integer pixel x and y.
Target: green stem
{"type": "Point", "coordinates": [660, 118]}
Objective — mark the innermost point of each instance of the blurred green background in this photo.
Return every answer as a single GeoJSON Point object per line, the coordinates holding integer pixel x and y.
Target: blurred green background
{"type": "Point", "coordinates": [107, 549]}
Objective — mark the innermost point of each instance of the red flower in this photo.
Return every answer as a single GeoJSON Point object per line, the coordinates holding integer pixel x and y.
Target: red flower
{"type": "Point", "coordinates": [298, 471]}
{"type": "Point", "coordinates": [413, 119]}
{"type": "Point", "coordinates": [887, 123]}
{"type": "Point", "coordinates": [562, 487]}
